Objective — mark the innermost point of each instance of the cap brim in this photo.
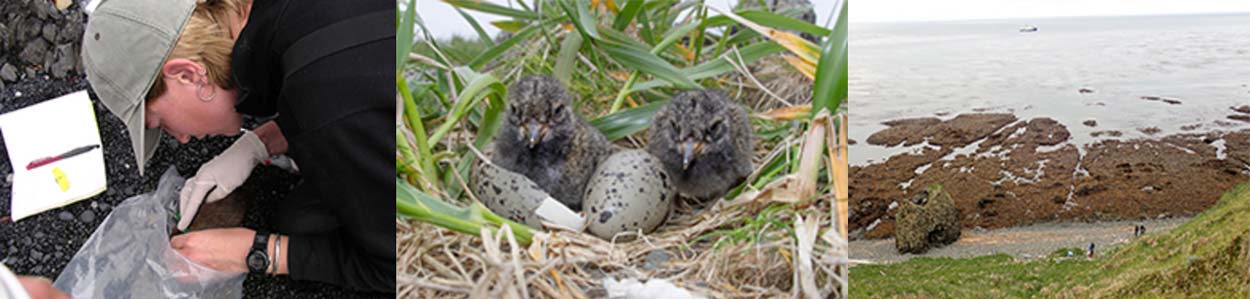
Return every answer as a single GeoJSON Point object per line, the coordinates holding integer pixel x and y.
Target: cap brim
{"type": "Point", "coordinates": [142, 139]}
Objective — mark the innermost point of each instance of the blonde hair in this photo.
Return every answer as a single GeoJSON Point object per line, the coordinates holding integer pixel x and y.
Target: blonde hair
{"type": "Point", "coordinates": [206, 40]}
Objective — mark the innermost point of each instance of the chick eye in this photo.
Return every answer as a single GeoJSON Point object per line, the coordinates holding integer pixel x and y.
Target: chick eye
{"type": "Point", "coordinates": [715, 128]}
{"type": "Point", "coordinates": [556, 112]}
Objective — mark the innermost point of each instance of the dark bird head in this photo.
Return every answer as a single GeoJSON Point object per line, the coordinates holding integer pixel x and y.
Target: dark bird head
{"type": "Point", "coordinates": [539, 109]}
{"type": "Point", "coordinates": [698, 125]}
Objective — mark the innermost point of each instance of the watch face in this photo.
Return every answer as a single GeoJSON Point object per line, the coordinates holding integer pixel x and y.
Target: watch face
{"type": "Point", "coordinates": [256, 261]}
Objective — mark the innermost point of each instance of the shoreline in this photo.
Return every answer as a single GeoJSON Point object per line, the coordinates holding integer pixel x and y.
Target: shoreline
{"type": "Point", "coordinates": [1028, 242]}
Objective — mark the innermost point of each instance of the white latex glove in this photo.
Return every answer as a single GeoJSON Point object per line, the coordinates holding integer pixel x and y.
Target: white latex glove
{"type": "Point", "coordinates": [220, 176]}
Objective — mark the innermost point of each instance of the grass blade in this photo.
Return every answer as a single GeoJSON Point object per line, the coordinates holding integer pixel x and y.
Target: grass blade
{"type": "Point", "coordinates": [783, 22]}
{"type": "Point", "coordinates": [628, 121]}
{"type": "Point", "coordinates": [476, 27]}
{"type": "Point", "coordinates": [565, 58]}
{"type": "Point", "coordinates": [489, 8]}
{"type": "Point", "coordinates": [403, 41]}
{"type": "Point", "coordinates": [583, 20]}
{"type": "Point", "coordinates": [477, 86]}
{"type": "Point", "coordinates": [646, 62]}
{"type": "Point", "coordinates": [797, 45]}
{"type": "Point", "coordinates": [499, 49]}
{"type": "Point", "coordinates": [509, 26]}
{"type": "Point", "coordinates": [627, 14]}
{"type": "Point", "coordinates": [418, 205]}
{"type": "Point", "coordinates": [718, 66]}
{"type": "Point", "coordinates": [830, 85]}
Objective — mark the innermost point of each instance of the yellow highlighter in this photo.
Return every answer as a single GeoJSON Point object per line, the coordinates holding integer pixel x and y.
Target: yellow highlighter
{"type": "Point", "coordinates": [61, 179]}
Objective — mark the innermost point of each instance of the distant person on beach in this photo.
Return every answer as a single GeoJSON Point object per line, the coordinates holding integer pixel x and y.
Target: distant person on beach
{"type": "Point", "coordinates": [1091, 250]}
{"type": "Point", "coordinates": [323, 73]}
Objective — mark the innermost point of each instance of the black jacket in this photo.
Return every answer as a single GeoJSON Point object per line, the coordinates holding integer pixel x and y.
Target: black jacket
{"type": "Point", "coordinates": [337, 114]}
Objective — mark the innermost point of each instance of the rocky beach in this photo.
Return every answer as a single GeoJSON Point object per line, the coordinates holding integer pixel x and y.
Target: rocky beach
{"type": "Point", "coordinates": [1003, 171]}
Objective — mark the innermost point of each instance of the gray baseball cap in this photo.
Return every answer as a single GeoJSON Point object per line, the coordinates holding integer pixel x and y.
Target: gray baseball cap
{"type": "Point", "coordinates": [123, 49]}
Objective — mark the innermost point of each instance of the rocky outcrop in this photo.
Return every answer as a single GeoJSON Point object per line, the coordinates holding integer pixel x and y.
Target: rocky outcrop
{"type": "Point", "coordinates": [928, 220]}
{"type": "Point", "coordinates": [1029, 171]}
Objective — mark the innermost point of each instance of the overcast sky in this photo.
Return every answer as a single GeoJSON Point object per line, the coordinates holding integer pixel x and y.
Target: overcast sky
{"type": "Point", "coordinates": [927, 10]}
{"type": "Point", "coordinates": [444, 22]}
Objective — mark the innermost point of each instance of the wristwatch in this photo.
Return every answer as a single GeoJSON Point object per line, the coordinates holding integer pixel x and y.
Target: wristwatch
{"type": "Point", "coordinates": [257, 260]}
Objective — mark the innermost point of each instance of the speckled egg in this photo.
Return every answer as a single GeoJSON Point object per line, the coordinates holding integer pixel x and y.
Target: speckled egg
{"type": "Point", "coordinates": [629, 191]}
{"type": "Point", "coordinates": [507, 193]}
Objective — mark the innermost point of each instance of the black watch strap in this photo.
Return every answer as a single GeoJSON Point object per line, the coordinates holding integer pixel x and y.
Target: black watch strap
{"type": "Point", "coordinates": [257, 260]}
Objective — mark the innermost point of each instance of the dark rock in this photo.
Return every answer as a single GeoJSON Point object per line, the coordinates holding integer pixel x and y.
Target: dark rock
{"type": "Point", "coordinates": [1245, 118]}
{"type": "Point", "coordinates": [1086, 90]}
{"type": "Point", "coordinates": [959, 131]}
{"type": "Point", "coordinates": [39, 11]}
{"type": "Point", "coordinates": [4, 36]}
{"type": "Point", "coordinates": [656, 259]}
{"type": "Point", "coordinates": [65, 215]}
{"type": "Point", "coordinates": [49, 32]}
{"type": "Point", "coordinates": [35, 254]}
{"type": "Point", "coordinates": [1091, 123]}
{"type": "Point", "coordinates": [1110, 133]}
{"type": "Point", "coordinates": [30, 29]}
{"type": "Point", "coordinates": [88, 216]}
{"type": "Point", "coordinates": [1162, 99]}
{"type": "Point", "coordinates": [67, 58]}
{"type": "Point", "coordinates": [34, 51]}
{"type": "Point", "coordinates": [1243, 109]}
{"type": "Point", "coordinates": [928, 220]}
{"type": "Point", "coordinates": [8, 72]}
{"type": "Point", "coordinates": [71, 32]}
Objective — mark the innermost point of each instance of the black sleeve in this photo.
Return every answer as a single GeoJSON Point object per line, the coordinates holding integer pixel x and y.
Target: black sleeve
{"type": "Point", "coordinates": [347, 164]}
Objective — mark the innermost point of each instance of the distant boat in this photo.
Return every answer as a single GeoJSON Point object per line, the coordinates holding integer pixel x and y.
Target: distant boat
{"type": "Point", "coordinates": [1029, 28]}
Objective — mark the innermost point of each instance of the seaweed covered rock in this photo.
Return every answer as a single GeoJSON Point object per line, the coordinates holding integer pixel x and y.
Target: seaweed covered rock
{"type": "Point", "coordinates": [928, 220]}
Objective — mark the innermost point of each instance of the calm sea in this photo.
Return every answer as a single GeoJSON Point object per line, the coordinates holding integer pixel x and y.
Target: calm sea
{"type": "Point", "coordinates": [903, 70]}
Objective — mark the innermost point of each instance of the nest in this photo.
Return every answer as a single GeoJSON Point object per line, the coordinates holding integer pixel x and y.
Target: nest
{"type": "Point", "coordinates": [766, 261]}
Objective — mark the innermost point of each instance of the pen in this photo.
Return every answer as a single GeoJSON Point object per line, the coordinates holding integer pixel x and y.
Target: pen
{"type": "Point", "coordinates": [71, 153]}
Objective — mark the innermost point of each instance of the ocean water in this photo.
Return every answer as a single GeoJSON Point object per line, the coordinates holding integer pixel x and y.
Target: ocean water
{"type": "Point", "coordinates": [901, 70]}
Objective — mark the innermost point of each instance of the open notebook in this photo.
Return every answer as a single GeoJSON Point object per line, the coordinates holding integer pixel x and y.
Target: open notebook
{"type": "Point", "coordinates": [48, 129]}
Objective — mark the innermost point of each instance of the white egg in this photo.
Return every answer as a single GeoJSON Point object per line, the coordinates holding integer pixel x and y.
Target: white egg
{"type": "Point", "coordinates": [629, 191]}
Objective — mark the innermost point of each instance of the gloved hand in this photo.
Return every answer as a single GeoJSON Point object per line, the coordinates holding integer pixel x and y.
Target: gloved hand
{"type": "Point", "coordinates": [220, 176]}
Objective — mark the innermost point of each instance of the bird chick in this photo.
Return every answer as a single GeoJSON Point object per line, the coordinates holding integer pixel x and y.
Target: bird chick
{"type": "Point", "coordinates": [544, 140]}
{"type": "Point", "coordinates": [704, 141]}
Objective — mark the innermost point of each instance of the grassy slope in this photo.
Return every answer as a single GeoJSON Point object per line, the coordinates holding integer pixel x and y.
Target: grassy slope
{"type": "Point", "coordinates": [1208, 257]}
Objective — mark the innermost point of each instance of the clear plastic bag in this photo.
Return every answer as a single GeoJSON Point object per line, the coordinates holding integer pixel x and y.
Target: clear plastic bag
{"type": "Point", "coordinates": [129, 256]}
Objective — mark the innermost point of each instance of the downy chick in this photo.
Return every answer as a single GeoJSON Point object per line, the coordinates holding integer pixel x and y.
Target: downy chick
{"type": "Point", "coordinates": [704, 141]}
{"type": "Point", "coordinates": [544, 140]}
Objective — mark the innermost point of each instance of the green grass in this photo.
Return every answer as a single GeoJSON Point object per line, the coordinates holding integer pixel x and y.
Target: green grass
{"type": "Point", "coordinates": [1207, 257]}
{"type": "Point", "coordinates": [458, 49]}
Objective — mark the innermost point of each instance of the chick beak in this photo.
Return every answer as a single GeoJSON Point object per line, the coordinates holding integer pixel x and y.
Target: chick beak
{"type": "Point", "coordinates": [689, 149]}
{"type": "Point", "coordinates": [536, 133]}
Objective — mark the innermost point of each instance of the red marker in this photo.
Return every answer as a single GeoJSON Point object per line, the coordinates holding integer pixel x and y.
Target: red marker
{"type": "Point", "coordinates": [70, 153]}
